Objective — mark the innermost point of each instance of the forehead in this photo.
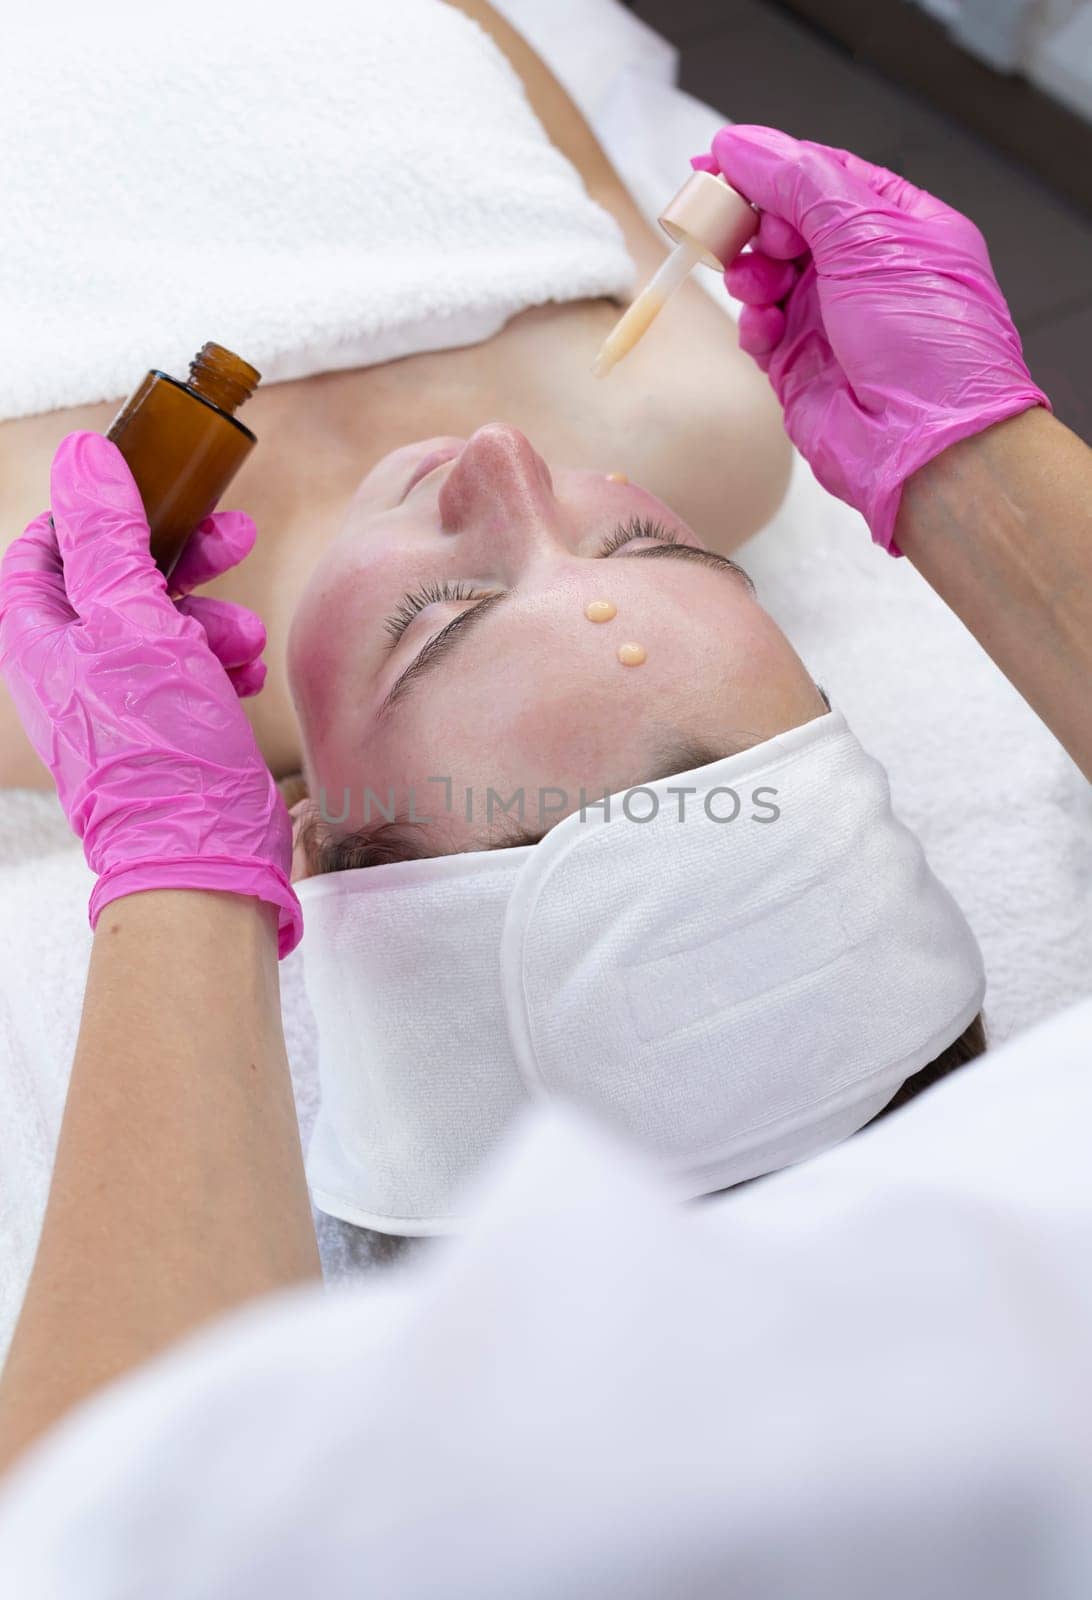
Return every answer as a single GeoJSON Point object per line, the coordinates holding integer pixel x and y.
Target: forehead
{"type": "Point", "coordinates": [537, 681]}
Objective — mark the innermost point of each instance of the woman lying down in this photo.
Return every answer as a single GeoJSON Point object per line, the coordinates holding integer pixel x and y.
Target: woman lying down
{"type": "Point", "coordinates": [573, 818]}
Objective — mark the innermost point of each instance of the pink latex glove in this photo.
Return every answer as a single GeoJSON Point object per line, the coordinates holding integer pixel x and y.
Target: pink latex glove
{"type": "Point", "coordinates": [874, 310]}
{"type": "Point", "coordinates": [131, 698]}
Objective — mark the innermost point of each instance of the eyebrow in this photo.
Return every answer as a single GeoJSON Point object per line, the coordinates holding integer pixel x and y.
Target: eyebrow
{"type": "Point", "coordinates": [441, 644]}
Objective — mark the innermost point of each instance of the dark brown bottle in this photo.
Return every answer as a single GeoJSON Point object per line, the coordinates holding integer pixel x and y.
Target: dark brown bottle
{"type": "Point", "coordinates": [184, 444]}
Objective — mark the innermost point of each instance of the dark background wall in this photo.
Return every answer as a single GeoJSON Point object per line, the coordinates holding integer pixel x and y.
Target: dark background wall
{"type": "Point", "coordinates": [885, 81]}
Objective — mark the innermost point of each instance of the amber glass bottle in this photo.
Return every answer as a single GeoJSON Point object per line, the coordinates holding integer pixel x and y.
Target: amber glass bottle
{"type": "Point", "coordinates": [184, 444]}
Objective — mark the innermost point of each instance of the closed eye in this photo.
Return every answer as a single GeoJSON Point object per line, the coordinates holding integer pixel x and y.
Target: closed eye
{"type": "Point", "coordinates": [668, 545]}
{"type": "Point", "coordinates": [431, 593]}
{"type": "Point", "coordinates": [637, 528]}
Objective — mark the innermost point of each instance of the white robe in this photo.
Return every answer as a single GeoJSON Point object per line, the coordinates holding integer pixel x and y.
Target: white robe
{"type": "Point", "coordinates": [867, 1375]}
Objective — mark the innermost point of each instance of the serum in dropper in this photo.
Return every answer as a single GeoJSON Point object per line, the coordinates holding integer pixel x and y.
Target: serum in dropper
{"type": "Point", "coordinates": [709, 222]}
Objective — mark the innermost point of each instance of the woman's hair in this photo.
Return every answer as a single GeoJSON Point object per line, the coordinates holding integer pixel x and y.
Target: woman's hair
{"type": "Point", "coordinates": [971, 1043]}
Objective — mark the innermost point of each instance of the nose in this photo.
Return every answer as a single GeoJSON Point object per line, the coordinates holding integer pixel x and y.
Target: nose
{"type": "Point", "coordinates": [499, 492]}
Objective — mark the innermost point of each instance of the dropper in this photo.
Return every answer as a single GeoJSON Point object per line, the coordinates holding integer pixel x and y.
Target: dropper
{"type": "Point", "coordinates": [710, 223]}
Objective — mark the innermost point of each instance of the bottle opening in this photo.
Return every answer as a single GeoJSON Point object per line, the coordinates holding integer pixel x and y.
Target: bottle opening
{"type": "Point", "coordinates": [221, 376]}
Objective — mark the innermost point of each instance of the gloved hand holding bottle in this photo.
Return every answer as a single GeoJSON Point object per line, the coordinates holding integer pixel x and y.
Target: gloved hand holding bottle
{"type": "Point", "coordinates": [874, 309]}
{"type": "Point", "coordinates": [132, 699]}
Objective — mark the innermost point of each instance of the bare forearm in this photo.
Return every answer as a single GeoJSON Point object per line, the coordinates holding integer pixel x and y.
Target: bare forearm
{"type": "Point", "coordinates": [178, 1189]}
{"type": "Point", "coordinates": [1001, 527]}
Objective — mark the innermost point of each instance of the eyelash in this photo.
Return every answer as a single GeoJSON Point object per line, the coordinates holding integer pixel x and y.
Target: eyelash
{"type": "Point", "coordinates": [433, 592]}
{"type": "Point", "coordinates": [428, 594]}
{"type": "Point", "coordinates": [637, 528]}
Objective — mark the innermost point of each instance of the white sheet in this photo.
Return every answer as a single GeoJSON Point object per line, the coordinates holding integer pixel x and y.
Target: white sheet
{"type": "Point", "coordinates": [1005, 817]}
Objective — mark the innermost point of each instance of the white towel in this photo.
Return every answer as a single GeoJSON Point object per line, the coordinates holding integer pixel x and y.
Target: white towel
{"type": "Point", "coordinates": [1004, 816]}
{"type": "Point", "coordinates": [734, 995]}
{"type": "Point", "coordinates": [318, 187]}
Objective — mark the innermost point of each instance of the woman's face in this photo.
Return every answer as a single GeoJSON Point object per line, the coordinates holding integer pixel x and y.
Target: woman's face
{"type": "Point", "coordinates": [442, 645]}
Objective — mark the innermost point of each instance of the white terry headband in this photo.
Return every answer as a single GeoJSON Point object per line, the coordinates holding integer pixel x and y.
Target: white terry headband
{"type": "Point", "coordinates": [738, 982]}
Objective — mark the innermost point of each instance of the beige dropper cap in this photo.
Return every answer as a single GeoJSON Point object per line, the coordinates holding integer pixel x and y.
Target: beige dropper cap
{"type": "Point", "coordinates": [709, 214]}
{"type": "Point", "coordinates": [710, 222]}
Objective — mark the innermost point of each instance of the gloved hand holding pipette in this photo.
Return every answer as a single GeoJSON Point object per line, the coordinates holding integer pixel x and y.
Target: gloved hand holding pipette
{"type": "Point", "coordinates": [874, 309]}
{"type": "Point", "coordinates": [132, 699]}
{"type": "Point", "coordinates": [872, 306]}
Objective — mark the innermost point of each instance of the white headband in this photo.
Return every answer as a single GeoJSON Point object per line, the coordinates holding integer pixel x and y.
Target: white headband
{"type": "Point", "coordinates": [736, 994]}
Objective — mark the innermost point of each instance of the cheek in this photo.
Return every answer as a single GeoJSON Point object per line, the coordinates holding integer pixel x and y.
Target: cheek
{"type": "Point", "coordinates": [311, 670]}
{"type": "Point", "coordinates": [324, 648]}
